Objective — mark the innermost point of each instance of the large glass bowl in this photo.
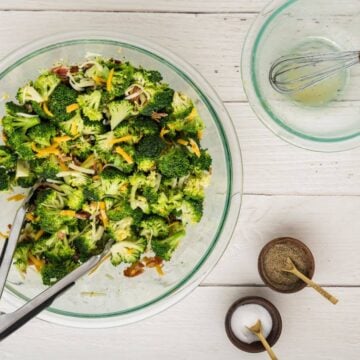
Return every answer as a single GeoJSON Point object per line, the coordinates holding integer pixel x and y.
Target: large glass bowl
{"type": "Point", "coordinates": [298, 26]}
{"type": "Point", "coordinates": [107, 298]}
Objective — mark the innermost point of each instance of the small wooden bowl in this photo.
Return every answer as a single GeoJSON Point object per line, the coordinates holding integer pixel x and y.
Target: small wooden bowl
{"type": "Point", "coordinates": [274, 335]}
{"type": "Point", "coordinates": [309, 259]}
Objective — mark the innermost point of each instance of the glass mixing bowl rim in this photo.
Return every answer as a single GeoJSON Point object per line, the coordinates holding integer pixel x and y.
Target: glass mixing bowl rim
{"type": "Point", "coordinates": [146, 48]}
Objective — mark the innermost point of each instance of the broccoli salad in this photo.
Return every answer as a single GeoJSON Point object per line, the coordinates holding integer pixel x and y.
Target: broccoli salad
{"type": "Point", "coordinates": [118, 155]}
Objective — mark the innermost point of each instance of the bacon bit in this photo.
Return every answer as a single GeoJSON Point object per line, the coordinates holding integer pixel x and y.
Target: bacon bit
{"type": "Point", "coordinates": [82, 215]}
{"type": "Point", "coordinates": [61, 139]}
{"type": "Point", "coordinates": [39, 234]}
{"type": "Point", "coordinates": [16, 197]}
{"type": "Point", "coordinates": [74, 69]}
{"type": "Point", "coordinates": [152, 261]}
{"type": "Point", "coordinates": [122, 139]}
{"type": "Point", "coordinates": [61, 72]}
{"type": "Point", "coordinates": [124, 154]}
{"type": "Point", "coordinates": [109, 80]}
{"type": "Point", "coordinates": [182, 142]}
{"type": "Point", "coordinates": [70, 213]}
{"type": "Point", "coordinates": [30, 217]}
{"type": "Point", "coordinates": [158, 116]}
{"type": "Point", "coordinates": [135, 269]}
{"type": "Point", "coordinates": [72, 107]}
{"type": "Point", "coordinates": [99, 80]}
{"type": "Point", "coordinates": [200, 134]}
{"type": "Point", "coordinates": [9, 226]}
{"type": "Point", "coordinates": [4, 236]}
{"type": "Point", "coordinates": [38, 263]}
{"type": "Point", "coordinates": [194, 147]}
{"type": "Point", "coordinates": [46, 110]}
{"type": "Point", "coordinates": [99, 263]}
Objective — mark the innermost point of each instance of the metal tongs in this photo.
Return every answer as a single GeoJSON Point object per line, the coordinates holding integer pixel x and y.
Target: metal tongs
{"type": "Point", "coordinates": [12, 321]}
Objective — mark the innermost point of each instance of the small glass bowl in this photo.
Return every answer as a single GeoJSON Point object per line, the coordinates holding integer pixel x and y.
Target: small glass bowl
{"type": "Point", "coordinates": [107, 298]}
{"type": "Point", "coordinates": [281, 28]}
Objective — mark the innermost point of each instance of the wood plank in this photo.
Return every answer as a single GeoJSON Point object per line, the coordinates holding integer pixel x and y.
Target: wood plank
{"type": "Point", "coordinates": [194, 329]}
{"type": "Point", "coordinates": [328, 225]}
{"type": "Point", "coordinates": [273, 166]}
{"type": "Point", "coordinates": [138, 5]}
{"type": "Point", "coordinates": [188, 35]}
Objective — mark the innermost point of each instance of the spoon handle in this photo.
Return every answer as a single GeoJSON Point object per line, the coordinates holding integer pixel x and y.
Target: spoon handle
{"type": "Point", "coordinates": [315, 286]}
{"type": "Point", "coordinates": [266, 346]}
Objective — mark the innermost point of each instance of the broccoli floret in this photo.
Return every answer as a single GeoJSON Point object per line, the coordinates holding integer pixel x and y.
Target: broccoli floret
{"type": "Point", "coordinates": [14, 109]}
{"type": "Point", "coordinates": [87, 244]}
{"type": "Point", "coordinates": [120, 230]}
{"type": "Point", "coordinates": [73, 126]}
{"type": "Point", "coordinates": [150, 147]}
{"type": "Point", "coordinates": [42, 133]}
{"type": "Point", "coordinates": [119, 111]}
{"type": "Point", "coordinates": [21, 144]}
{"type": "Point", "coordinates": [75, 197]}
{"type": "Point", "coordinates": [174, 163]}
{"type": "Point", "coordinates": [190, 125]}
{"type": "Point", "coordinates": [27, 181]}
{"type": "Point", "coordinates": [62, 97]}
{"type": "Point", "coordinates": [146, 77]}
{"type": "Point", "coordinates": [93, 127]}
{"type": "Point", "coordinates": [50, 198]}
{"type": "Point", "coordinates": [12, 123]}
{"type": "Point", "coordinates": [54, 247]}
{"type": "Point", "coordinates": [167, 203]}
{"type": "Point", "coordinates": [90, 105]}
{"type": "Point", "coordinates": [51, 273]}
{"type": "Point", "coordinates": [46, 168]}
{"type": "Point", "coordinates": [165, 248]}
{"type": "Point", "coordinates": [181, 105]}
{"type": "Point", "coordinates": [118, 161]}
{"type": "Point", "coordinates": [75, 178]}
{"type": "Point", "coordinates": [123, 210]}
{"type": "Point", "coordinates": [127, 251]}
{"type": "Point", "coordinates": [7, 158]}
{"type": "Point", "coordinates": [154, 226]}
{"type": "Point", "coordinates": [112, 180]}
{"type": "Point", "coordinates": [191, 211]}
{"type": "Point", "coordinates": [121, 80]}
{"type": "Point", "coordinates": [160, 98]}
{"type": "Point", "coordinates": [80, 148]}
{"type": "Point", "coordinates": [202, 163]}
{"type": "Point", "coordinates": [28, 93]}
{"type": "Point", "coordinates": [104, 142]}
{"type": "Point", "coordinates": [45, 84]}
{"type": "Point", "coordinates": [39, 110]}
{"type": "Point", "coordinates": [52, 220]}
{"type": "Point", "coordinates": [21, 256]}
{"type": "Point", "coordinates": [5, 180]}
{"type": "Point", "coordinates": [195, 186]}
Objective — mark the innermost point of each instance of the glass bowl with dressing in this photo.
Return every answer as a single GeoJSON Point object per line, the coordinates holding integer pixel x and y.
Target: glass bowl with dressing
{"type": "Point", "coordinates": [325, 117]}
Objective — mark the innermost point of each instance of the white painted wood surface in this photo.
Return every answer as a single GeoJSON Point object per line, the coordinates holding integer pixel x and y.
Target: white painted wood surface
{"type": "Point", "coordinates": [289, 191]}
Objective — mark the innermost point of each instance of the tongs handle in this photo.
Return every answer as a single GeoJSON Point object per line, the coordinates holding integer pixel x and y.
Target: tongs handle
{"type": "Point", "coordinates": [13, 321]}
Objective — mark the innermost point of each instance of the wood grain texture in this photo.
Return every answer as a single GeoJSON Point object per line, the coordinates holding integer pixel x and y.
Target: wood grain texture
{"type": "Point", "coordinates": [203, 40]}
{"type": "Point", "coordinates": [328, 225]}
{"type": "Point", "coordinates": [197, 6]}
{"type": "Point", "coordinates": [194, 329]}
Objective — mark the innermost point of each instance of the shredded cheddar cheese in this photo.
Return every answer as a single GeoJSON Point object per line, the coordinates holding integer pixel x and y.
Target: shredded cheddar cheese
{"type": "Point", "coordinates": [72, 107]}
{"type": "Point", "coordinates": [60, 139]}
{"type": "Point", "coordinates": [200, 134]}
{"type": "Point", "coordinates": [30, 217]}
{"type": "Point", "coordinates": [70, 213]}
{"type": "Point", "coordinates": [194, 147]}
{"type": "Point", "coordinates": [46, 110]}
{"type": "Point", "coordinates": [124, 154]}
{"type": "Point", "coordinates": [182, 142]}
{"type": "Point", "coordinates": [2, 235]}
{"type": "Point", "coordinates": [109, 80]}
{"type": "Point", "coordinates": [39, 234]}
{"type": "Point", "coordinates": [38, 263]}
{"type": "Point", "coordinates": [16, 197]}
{"type": "Point", "coordinates": [122, 139]}
{"type": "Point", "coordinates": [159, 270]}
{"type": "Point", "coordinates": [99, 80]}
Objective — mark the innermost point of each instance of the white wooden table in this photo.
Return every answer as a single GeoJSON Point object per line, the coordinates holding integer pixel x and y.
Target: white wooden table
{"type": "Point", "coordinates": [312, 196]}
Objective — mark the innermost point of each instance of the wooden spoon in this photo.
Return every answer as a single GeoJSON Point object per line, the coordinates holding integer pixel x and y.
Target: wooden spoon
{"type": "Point", "coordinates": [293, 270]}
{"type": "Point", "coordinates": [257, 330]}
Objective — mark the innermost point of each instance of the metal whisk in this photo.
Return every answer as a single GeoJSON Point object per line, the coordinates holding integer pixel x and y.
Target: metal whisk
{"type": "Point", "coordinates": [294, 73]}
